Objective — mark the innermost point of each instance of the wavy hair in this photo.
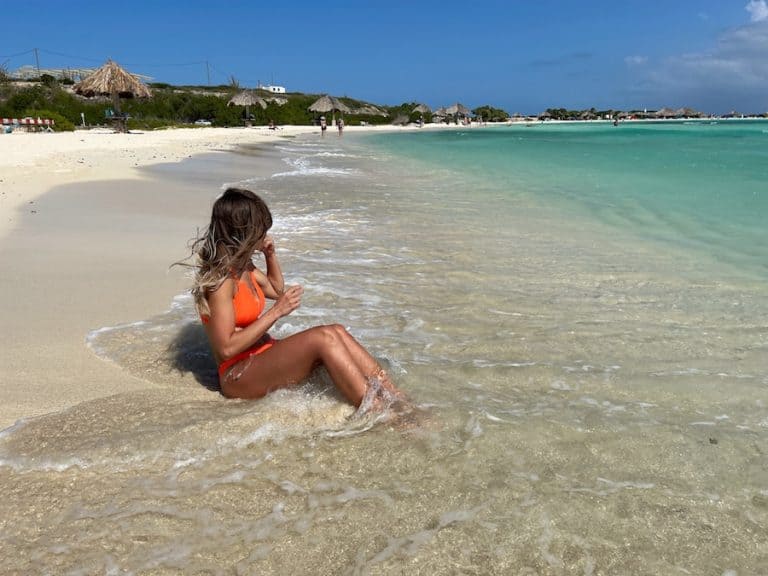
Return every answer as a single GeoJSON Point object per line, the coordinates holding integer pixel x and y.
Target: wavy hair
{"type": "Point", "coordinates": [239, 220]}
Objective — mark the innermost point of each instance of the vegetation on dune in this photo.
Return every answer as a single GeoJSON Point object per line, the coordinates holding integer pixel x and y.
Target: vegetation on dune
{"type": "Point", "coordinates": [172, 106]}
{"type": "Point", "coordinates": [178, 106]}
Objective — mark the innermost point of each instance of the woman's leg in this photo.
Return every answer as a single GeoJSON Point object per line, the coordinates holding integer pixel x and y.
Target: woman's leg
{"type": "Point", "coordinates": [291, 360]}
{"type": "Point", "coordinates": [365, 362]}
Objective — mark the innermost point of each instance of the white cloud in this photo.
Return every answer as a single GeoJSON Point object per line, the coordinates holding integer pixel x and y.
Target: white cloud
{"type": "Point", "coordinates": [635, 60]}
{"type": "Point", "coordinates": [758, 10]}
{"type": "Point", "coordinates": [733, 74]}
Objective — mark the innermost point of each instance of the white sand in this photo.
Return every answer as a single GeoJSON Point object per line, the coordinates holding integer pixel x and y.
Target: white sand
{"type": "Point", "coordinates": [32, 163]}
{"type": "Point", "coordinates": [67, 267]}
{"type": "Point", "coordinates": [73, 259]}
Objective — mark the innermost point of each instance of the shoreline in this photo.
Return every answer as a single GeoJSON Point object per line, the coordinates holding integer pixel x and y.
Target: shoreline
{"type": "Point", "coordinates": [70, 196]}
{"type": "Point", "coordinates": [31, 164]}
{"type": "Point", "coordinates": [82, 197]}
{"type": "Point", "coordinates": [42, 215]}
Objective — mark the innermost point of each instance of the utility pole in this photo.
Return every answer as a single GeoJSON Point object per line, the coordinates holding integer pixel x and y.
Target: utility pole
{"type": "Point", "coordinates": [37, 62]}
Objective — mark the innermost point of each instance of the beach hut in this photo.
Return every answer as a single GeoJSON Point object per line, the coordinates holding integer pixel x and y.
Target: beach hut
{"type": "Point", "coordinates": [665, 113]}
{"type": "Point", "coordinates": [439, 115]}
{"type": "Point", "coordinates": [326, 104]}
{"type": "Point", "coordinates": [422, 109]}
{"type": "Point", "coordinates": [113, 81]}
{"type": "Point", "coordinates": [247, 98]}
{"type": "Point", "coordinates": [458, 110]}
{"type": "Point", "coordinates": [687, 113]}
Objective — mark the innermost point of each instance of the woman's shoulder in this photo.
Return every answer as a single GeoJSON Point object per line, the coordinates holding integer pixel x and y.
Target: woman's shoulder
{"type": "Point", "coordinates": [226, 288]}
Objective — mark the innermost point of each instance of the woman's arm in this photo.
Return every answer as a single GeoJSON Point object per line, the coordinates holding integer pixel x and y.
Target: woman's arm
{"type": "Point", "coordinates": [228, 341]}
{"type": "Point", "coordinates": [275, 284]}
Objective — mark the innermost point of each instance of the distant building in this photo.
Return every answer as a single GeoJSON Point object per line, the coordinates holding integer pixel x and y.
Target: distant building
{"type": "Point", "coordinates": [274, 89]}
{"type": "Point", "coordinates": [31, 72]}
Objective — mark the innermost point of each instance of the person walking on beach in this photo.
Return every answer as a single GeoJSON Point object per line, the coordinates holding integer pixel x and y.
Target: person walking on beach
{"type": "Point", "coordinates": [323, 125]}
{"type": "Point", "coordinates": [230, 294]}
{"type": "Point", "coordinates": [340, 125]}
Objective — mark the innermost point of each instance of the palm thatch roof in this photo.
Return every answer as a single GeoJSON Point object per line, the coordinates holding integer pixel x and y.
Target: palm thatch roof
{"type": "Point", "coordinates": [112, 80]}
{"type": "Point", "coordinates": [247, 98]}
{"type": "Point", "coordinates": [687, 113]}
{"type": "Point", "coordinates": [457, 109]}
{"type": "Point", "coordinates": [422, 108]}
{"type": "Point", "coordinates": [327, 104]}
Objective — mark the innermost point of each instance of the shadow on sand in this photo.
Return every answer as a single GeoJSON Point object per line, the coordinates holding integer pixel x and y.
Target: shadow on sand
{"type": "Point", "coordinates": [189, 352]}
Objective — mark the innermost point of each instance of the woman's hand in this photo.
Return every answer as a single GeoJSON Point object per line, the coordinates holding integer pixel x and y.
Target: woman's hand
{"type": "Point", "coordinates": [268, 246]}
{"type": "Point", "coordinates": [288, 301]}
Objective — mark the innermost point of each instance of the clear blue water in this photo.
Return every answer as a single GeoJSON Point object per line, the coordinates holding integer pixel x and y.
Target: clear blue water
{"type": "Point", "coordinates": [579, 313]}
{"type": "Point", "coordinates": [700, 187]}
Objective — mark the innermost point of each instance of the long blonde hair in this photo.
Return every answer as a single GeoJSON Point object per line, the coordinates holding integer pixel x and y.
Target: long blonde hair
{"type": "Point", "coordinates": [239, 219]}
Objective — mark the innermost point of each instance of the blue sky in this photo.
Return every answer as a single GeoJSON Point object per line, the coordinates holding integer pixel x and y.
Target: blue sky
{"type": "Point", "coordinates": [520, 55]}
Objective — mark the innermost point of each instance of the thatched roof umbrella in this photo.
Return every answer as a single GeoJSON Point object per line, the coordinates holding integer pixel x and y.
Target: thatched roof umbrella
{"type": "Point", "coordinates": [665, 113]}
{"type": "Point", "coordinates": [247, 98]}
{"type": "Point", "coordinates": [457, 108]}
{"type": "Point", "coordinates": [112, 80]}
{"type": "Point", "coordinates": [327, 103]}
{"type": "Point", "coordinates": [421, 109]}
{"type": "Point", "coordinates": [687, 113]}
{"type": "Point", "coordinates": [439, 115]}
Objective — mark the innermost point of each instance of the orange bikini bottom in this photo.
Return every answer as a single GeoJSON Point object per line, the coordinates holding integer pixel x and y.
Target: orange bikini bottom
{"type": "Point", "coordinates": [258, 349]}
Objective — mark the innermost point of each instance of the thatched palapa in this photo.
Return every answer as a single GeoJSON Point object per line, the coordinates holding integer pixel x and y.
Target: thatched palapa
{"type": "Point", "coordinates": [327, 103]}
{"type": "Point", "coordinates": [421, 109]}
{"type": "Point", "coordinates": [247, 98]}
{"type": "Point", "coordinates": [112, 80]}
{"type": "Point", "coordinates": [457, 108]}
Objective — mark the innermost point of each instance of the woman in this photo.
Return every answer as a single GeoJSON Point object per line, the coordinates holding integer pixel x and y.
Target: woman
{"type": "Point", "coordinates": [230, 295]}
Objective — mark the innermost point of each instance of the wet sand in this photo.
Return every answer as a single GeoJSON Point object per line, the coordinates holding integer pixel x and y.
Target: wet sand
{"type": "Point", "coordinates": [86, 239]}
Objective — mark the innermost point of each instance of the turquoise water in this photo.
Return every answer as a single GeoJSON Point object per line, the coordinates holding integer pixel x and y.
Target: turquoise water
{"type": "Point", "coordinates": [579, 315]}
{"type": "Point", "coordinates": [698, 187]}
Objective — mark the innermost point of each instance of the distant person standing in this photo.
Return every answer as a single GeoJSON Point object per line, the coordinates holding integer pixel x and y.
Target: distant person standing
{"type": "Point", "coordinates": [323, 125]}
{"type": "Point", "coordinates": [340, 125]}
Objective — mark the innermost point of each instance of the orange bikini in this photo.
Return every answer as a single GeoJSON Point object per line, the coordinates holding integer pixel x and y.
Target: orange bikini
{"type": "Point", "coordinates": [248, 308]}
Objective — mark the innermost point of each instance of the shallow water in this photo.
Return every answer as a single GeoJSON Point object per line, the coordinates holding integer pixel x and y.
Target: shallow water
{"type": "Point", "coordinates": [587, 401]}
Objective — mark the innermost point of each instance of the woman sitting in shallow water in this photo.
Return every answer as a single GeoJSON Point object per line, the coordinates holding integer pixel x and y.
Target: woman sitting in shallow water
{"type": "Point", "coordinates": [230, 294]}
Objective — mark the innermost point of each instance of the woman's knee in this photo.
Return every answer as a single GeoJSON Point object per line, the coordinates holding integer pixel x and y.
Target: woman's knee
{"type": "Point", "coordinates": [330, 336]}
{"type": "Point", "coordinates": [340, 331]}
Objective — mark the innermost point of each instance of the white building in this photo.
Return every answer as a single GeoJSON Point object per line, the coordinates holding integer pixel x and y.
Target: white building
{"type": "Point", "coordinates": [274, 89]}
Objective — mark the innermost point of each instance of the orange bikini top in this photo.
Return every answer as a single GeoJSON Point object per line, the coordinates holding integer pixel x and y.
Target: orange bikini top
{"type": "Point", "coordinates": [248, 306]}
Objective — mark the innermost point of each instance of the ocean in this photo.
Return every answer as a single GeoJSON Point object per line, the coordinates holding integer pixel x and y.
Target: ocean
{"type": "Point", "coordinates": [577, 312]}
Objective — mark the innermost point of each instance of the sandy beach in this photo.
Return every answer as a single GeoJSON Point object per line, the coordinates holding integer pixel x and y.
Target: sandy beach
{"type": "Point", "coordinates": [73, 261]}
{"type": "Point", "coordinates": [589, 392]}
